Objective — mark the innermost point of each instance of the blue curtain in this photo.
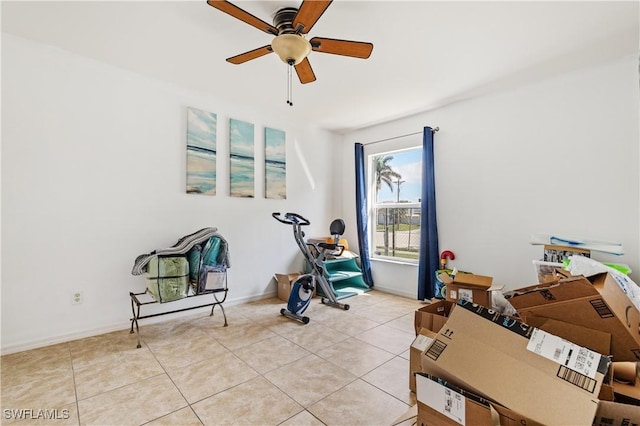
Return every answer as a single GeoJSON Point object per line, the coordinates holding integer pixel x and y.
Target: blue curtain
{"type": "Point", "coordinates": [429, 253]}
{"type": "Point", "coordinates": [361, 215]}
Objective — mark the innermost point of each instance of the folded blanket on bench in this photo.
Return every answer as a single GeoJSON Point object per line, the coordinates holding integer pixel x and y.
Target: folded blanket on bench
{"type": "Point", "coordinates": [183, 245]}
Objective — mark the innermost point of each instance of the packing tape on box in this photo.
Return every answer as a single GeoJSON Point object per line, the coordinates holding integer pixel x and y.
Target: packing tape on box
{"type": "Point", "coordinates": [624, 372]}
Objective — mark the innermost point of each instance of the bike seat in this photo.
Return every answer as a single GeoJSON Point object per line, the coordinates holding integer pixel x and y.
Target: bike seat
{"type": "Point", "coordinates": [337, 227]}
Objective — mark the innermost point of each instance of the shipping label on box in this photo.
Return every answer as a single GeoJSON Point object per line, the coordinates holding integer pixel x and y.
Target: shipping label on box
{"type": "Point", "coordinates": [440, 404]}
{"type": "Point", "coordinates": [485, 352]}
{"type": "Point", "coordinates": [576, 358]}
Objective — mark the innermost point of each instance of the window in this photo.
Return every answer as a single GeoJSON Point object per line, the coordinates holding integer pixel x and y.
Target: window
{"type": "Point", "coordinates": [396, 187]}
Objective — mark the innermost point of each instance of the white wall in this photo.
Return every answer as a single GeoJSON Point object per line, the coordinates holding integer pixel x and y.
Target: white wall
{"type": "Point", "coordinates": [556, 156]}
{"type": "Point", "coordinates": [93, 174]}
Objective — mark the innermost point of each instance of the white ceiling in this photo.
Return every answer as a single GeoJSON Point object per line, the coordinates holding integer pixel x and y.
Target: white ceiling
{"type": "Point", "coordinates": [426, 53]}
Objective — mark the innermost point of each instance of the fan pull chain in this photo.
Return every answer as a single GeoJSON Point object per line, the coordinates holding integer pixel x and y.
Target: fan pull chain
{"type": "Point", "coordinates": [289, 86]}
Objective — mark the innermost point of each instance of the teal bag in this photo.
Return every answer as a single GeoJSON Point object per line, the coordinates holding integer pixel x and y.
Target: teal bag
{"type": "Point", "coordinates": [193, 257]}
{"type": "Point", "coordinates": [201, 257]}
{"type": "Point", "coordinates": [211, 252]}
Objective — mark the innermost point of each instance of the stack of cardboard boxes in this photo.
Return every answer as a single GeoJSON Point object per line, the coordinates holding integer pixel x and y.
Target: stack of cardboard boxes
{"type": "Point", "coordinates": [568, 356]}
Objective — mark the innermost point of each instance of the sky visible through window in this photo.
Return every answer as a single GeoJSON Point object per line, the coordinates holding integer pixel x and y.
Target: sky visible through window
{"type": "Point", "coordinates": [409, 165]}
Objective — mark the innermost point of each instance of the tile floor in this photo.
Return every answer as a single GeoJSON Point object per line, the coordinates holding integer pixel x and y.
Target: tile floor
{"type": "Point", "coordinates": [343, 368]}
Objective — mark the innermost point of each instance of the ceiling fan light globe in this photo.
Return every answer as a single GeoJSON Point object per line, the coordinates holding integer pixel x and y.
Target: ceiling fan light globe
{"type": "Point", "coordinates": [291, 48]}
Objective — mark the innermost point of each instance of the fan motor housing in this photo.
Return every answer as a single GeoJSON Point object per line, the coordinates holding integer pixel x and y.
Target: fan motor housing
{"type": "Point", "coordinates": [283, 20]}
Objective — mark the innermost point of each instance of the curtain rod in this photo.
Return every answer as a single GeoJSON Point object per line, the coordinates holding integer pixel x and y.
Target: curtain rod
{"type": "Point", "coordinates": [435, 129]}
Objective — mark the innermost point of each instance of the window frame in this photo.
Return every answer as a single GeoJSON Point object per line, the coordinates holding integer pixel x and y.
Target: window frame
{"type": "Point", "coordinates": [388, 147]}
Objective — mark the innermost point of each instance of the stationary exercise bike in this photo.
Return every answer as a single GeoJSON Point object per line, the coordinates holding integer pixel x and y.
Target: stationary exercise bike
{"type": "Point", "coordinates": [315, 254]}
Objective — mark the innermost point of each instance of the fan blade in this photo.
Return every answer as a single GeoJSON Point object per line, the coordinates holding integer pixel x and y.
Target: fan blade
{"type": "Point", "coordinates": [304, 71]}
{"type": "Point", "coordinates": [308, 14]}
{"type": "Point", "coordinates": [252, 54]}
{"type": "Point", "coordinates": [244, 16]}
{"type": "Point", "coordinates": [356, 49]}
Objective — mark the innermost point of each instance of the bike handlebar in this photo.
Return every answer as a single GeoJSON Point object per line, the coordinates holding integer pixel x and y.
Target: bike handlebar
{"type": "Point", "coordinates": [291, 219]}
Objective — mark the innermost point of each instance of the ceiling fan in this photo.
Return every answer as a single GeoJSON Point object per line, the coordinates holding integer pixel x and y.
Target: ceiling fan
{"type": "Point", "coordinates": [289, 27]}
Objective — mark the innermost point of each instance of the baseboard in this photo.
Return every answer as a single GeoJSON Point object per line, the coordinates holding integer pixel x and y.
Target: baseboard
{"type": "Point", "coordinates": [63, 338]}
{"type": "Point", "coordinates": [395, 291]}
{"type": "Point", "coordinates": [120, 326]}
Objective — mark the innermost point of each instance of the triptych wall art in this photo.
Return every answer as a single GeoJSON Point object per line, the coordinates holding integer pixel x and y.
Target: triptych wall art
{"type": "Point", "coordinates": [202, 157]}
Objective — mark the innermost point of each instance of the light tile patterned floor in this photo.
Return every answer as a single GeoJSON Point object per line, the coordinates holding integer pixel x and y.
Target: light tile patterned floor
{"type": "Point", "coordinates": [343, 368]}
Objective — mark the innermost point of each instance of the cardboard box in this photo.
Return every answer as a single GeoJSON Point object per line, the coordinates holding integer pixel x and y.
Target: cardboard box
{"type": "Point", "coordinates": [469, 287]}
{"type": "Point", "coordinates": [420, 343]}
{"type": "Point", "coordinates": [285, 282]}
{"type": "Point", "coordinates": [529, 371]}
{"type": "Point", "coordinates": [433, 316]}
{"type": "Point", "coordinates": [440, 403]}
{"type": "Point", "coordinates": [600, 306]}
{"type": "Point", "coordinates": [615, 414]}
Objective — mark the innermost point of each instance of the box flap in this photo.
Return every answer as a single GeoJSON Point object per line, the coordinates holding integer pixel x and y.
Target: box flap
{"type": "Point", "coordinates": [286, 277]}
{"type": "Point", "coordinates": [595, 340]}
{"type": "Point", "coordinates": [606, 393]}
{"type": "Point", "coordinates": [433, 315]}
{"type": "Point", "coordinates": [445, 278]}
{"type": "Point", "coordinates": [552, 292]}
{"type": "Point", "coordinates": [601, 306]}
{"type": "Point", "coordinates": [473, 281]}
{"type": "Point", "coordinates": [496, 287]}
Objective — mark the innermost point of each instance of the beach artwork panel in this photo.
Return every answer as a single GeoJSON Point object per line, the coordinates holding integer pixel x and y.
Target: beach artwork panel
{"type": "Point", "coordinates": [242, 159]}
{"type": "Point", "coordinates": [201, 151]}
{"type": "Point", "coordinates": [275, 164]}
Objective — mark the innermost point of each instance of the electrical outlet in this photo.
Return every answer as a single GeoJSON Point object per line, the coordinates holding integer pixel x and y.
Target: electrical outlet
{"type": "Point", "coordinates": [77, 297]}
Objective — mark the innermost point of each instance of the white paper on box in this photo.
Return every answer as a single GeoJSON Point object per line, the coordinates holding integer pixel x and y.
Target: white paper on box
{"type": "Point", "coordinates": [559, 350]}
{"type": "Point", "coordinates": [442, 399]}
{"type": "Point", "coordinates": [466, 294]}
{"type": "Point", "coordinates": [421, 342]}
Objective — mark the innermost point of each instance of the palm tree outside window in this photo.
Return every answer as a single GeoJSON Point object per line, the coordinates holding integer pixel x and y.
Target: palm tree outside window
{"type": "Point", "coordinates": [395, 222]}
